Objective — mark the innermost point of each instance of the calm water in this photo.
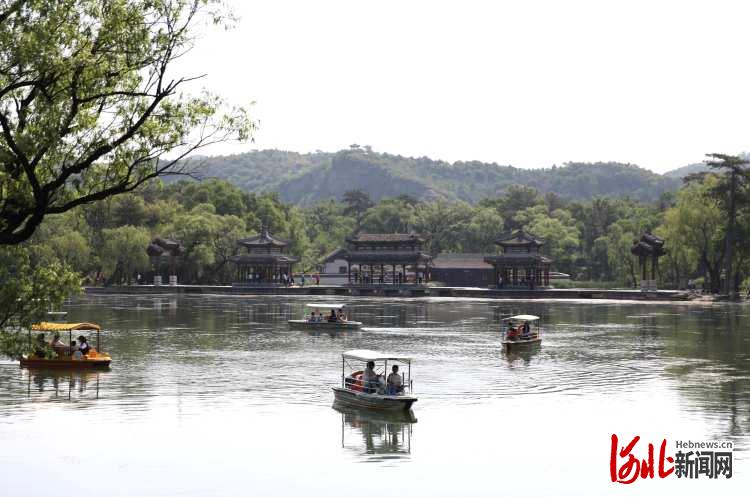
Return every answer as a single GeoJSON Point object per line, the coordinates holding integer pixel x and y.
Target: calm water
{"type": "Point", "coordinates": [216, 396]}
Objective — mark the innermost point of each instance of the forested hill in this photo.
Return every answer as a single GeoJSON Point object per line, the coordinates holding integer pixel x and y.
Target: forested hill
{"type": "Point", "coordinates": [305, 179]}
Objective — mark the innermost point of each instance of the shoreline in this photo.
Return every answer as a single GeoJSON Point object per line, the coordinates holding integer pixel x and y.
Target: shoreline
{"type": "Point", "coordinates": [405, 291]}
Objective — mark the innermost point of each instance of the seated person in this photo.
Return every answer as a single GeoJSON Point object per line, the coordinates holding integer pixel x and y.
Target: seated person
{"type": "Point", "coordinates": [370, 379]}
{"type": "Point", "coordinates": [75, 351]}
{"type": "Point", "coordinates": [340, 317]}
{"type": "Point", "coordinates": [58, 345]}
{"type": "Point", "coordinates": [512, 333]}
{"type": "Point", "coordinates": [526, 330]}
{"type": "Point", "coordinates": [83, 345]}
{"type": "Point", "coordinates": [332, 317]}
{"type": "Point", "coordinates": [394, 382]}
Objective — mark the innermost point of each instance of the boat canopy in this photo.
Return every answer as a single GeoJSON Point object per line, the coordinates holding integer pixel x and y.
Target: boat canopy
{"type": "Point", "coordinates": [323, 305]}
{"type": "Point", "coordinates": [46, 326]}
{"type": "Point", "coordinates": [522, 317]}
{"type": "Point", "coordinates": [374, 355]}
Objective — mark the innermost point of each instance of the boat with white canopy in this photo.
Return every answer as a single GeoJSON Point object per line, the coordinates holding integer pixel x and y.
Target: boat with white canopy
{"type": "Point", "coordinates": [522, 332]}
{"type": "Point", "coordinates": [375, 380]}
{"type": "Point", "coordinates": [335, 318]}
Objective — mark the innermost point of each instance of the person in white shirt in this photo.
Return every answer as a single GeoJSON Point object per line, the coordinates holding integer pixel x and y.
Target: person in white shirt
{"type": "Point", "coordinates": [75, 351]}
{"type": "Point", "coordinates": [370, 379]}
{"type": "Point", "coordinates": [394, 382]}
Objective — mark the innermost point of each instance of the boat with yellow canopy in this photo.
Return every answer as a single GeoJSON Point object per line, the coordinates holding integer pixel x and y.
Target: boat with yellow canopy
{"type": "Point", "coordinates": [64, 357]}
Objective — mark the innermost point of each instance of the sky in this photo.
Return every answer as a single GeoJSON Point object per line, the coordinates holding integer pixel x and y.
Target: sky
{"type": "Point", "coordinates": [527, 83]}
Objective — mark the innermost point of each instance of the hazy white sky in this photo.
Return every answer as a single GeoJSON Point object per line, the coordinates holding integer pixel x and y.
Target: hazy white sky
{"type": "Point", "coordinates": [528, 83]}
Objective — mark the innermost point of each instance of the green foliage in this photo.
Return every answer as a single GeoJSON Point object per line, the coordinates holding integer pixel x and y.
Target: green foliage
{"type": "Point", "coordinates": [90, 103]}
{"type": "Point", "coordinates": [27, 292]}
{"type": "Point", "coordinates": [124, 253]}
{"type": "Point", "coordinates": [306, 179]}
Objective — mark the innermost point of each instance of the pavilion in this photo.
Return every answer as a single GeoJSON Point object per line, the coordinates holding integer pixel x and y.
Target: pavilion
{"type": "Point", "coordinates": [386, 259]}
{"type": "Point", "coordinates": [521, 263]}
{"type": "Point", "coordinates": [266, 260]}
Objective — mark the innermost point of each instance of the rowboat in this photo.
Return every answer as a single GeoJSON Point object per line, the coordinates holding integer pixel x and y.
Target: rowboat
{"type": "Point", "coordinates": [330, 322]}
{"type": "Point", "coordinates": [520, 333]}
{"type": "Point", "coordinates": [63, 358]}
{"type": "Point", "coordinates": [382, 391]}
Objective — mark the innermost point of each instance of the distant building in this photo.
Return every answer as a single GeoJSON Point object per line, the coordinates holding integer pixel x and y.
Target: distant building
{"type": "Point", "coordinates": [266, 261]}
{"type": "Point", "coordinates": [386, 259]}
{"type": "Point", "coordinates": [334, 269]}
{"type": "Point", "coordinates": [521, 264]}
{"type": "Point", "coordinates": [465, 270]}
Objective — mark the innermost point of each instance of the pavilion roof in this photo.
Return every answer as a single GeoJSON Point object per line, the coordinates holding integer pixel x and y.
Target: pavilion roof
{"type": "Point", "coordinates": [447, 260]}
{"type": "Point", "coordinates": [263, 259]}
{"type": "Point", "coordinates": [263, 239]}
{"type": "Point", "coordinates": [516, 259]}
{"type": "Point", "coordinates": [385, 256]}
{"type": "Point", "coordinates": [338, 253]}
{"type": "Point", "coordinates": [385, 238]}
{"type": "Point", "coordinates": [520, 238]}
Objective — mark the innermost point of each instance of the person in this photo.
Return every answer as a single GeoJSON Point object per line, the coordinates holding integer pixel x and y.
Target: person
{"type": "Point", "coordinates": [512, 332]}
{"type": "Point", "coordinates": [340, 316]}
{"type": "Point", "coordinates": [394, 382]}
{"type": "Point", "coordinates": [58, 345]}
{"type": "Point", "coordinates": [75, 351]}
{"type": "Point", "coordinates": [317, 279]}
{"type": "Point", "coordinates": [526, 330]}
{"type": "Point", "coordinates": [302, 280]}
{"type": "Point", "coordinates": [332, 317]}
{"type": "Point", "coordinates": [370, 379]}
{"type": "Point", "coordinates": [83, 345]}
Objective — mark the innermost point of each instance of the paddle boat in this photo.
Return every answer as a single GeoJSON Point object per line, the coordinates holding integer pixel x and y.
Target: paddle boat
{"type": "Point", "coordinates": [522, 332]}
{"type": "Point", "coordinates": [63, 357]}
{"type": "Point", "coordinates": [377, 393]}
{"type": "Point", "coordinates": [316, 320]}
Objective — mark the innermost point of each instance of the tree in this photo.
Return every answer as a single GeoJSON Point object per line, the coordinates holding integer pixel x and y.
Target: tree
{"type": "Point", "coordinates": [697, 222]}
{"type": "Point", "coordinates": [26, 293]}
{"type": "Point", "coordinates": [735, 179]}
{"type": "Point", "coordinates": [89, 105]}
{"type": "Point", "coordinates": [124, 252]}
{"type": "Point", "coordinates": [357, 202]}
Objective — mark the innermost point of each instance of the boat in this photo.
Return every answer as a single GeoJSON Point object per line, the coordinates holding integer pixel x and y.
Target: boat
{"type": "Point", "coordinates": [323, 324]}
{"type": "Point", "coordinates": [93, 359]}
{"type": "Point", "coordinates": [515, 339]}
{"type": "Point", "coordinates": [354, 392]}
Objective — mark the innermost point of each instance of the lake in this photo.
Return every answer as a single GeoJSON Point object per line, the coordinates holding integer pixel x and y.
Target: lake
{"type": "Point", "coordinates": [216, 396]}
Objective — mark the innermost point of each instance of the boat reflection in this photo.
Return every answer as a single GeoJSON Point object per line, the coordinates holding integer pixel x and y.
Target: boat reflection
{"type": "Point", "coordinates": [54, 384]}
{"type": "Point", "coordinates": [521, 357]}
{"type": "Point", "coordinates": [385, 435]}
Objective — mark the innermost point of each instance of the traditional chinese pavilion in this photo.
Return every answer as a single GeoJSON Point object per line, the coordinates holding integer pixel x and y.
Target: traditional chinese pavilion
{"type": "Point", "coordinates": [647, 247]}
{"type": "Point", "coordinates": [265, 262]}
{"type": "Point", "coordinates": [386, 259]}
{"type": "Point", "coordinates": [521, 263]}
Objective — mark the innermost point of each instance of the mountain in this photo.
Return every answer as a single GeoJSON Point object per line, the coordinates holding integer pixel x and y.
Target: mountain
{"type": "Point", "coordinates": [305, 179]}
{"type": "Point", "coordinates": [683, 171]}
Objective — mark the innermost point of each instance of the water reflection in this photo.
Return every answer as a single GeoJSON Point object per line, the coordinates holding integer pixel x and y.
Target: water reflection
{"type": "Point", "coordinates": [377, 435]}
{"type": "Point", "coordinates": [45, 385]}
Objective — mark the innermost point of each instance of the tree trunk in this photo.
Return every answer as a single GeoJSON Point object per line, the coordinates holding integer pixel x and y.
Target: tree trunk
{"type": "Point", "coordinates": [729, 240]}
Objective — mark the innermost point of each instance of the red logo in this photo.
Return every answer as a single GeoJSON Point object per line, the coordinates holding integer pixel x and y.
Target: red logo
{"type": "Point", "coordinates": [632, 467]}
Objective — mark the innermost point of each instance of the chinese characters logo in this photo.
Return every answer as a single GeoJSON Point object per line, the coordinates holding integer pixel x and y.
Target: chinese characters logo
{"type": "Point", "coordinates": [703, 462]}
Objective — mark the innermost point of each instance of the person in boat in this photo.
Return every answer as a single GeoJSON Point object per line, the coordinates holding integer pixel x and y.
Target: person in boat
{"type": "Point", "coordinates": [75, 351]}
{"type": "Point", "coordinates": [370, 379]}
{"type": "Point", "coordinates": [332, 317]}
{"type": "Point", "coordinates": [394, 382]}
{"type": "Point", "coordinates": [58, 345]}
{"type": "Point", "coordinates": [83, 345]}
{"type": "Point", "coordinates": [526, 330]}
{"type": "Point", "coordinates": [340, 317]}
{"type": "Point", "coordinates": [512, 333]}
